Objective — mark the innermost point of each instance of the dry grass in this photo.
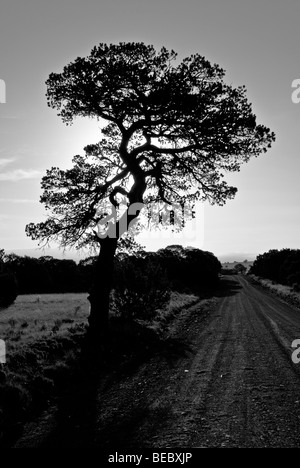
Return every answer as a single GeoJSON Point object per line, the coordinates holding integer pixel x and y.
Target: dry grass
{"type": "Point", "coordinates": [285, 292]}
{"type": "Point", "coordinates": [178, 302]}
{"type": "Point", "coordinates": [42, 335]}
{"type": "Point", "coordinates": [34, 317]}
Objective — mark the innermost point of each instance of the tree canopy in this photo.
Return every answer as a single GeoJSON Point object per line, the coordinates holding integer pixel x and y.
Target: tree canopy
{"type": "Point", "coordinates": [171, 131]}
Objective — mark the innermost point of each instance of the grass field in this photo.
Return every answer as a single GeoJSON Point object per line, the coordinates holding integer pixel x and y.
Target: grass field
{"type": "Point", "coordinates": [35, 317]}
{"type": "Point", "coordinates": [42, 334]}
{"type": "Point", "coordinates": [32, 317]}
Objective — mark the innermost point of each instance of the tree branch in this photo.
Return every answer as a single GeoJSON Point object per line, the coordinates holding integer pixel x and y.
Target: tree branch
{"type": "Point", "coordinates": [102, 189]}
{"type": "Point", "coordinates": [114, 192]}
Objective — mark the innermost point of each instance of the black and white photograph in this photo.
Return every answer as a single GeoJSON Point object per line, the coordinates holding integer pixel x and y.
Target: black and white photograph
{"type": "Point", "coordinates": [149, 227]}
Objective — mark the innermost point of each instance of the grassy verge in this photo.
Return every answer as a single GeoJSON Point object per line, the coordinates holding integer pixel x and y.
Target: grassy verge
{"type": "Point", "coordinates": [43, 336]}
{"type": "Point", "coordinates": [284, 292]}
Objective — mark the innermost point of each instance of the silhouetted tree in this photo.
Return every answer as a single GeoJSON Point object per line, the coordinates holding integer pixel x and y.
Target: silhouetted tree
{"type": "Point", "coordinates": [2, 256]}
{"type": "Point", "coordinates": [172, 130]}
{"type": "Point", "coordinates": [188, 268]}
{"type": "Point", "coordinates": [8, 284]}
{"type": "Point", "coordinates": [282, 266]}
{"type": "Point", "coordinates": [239, 268]}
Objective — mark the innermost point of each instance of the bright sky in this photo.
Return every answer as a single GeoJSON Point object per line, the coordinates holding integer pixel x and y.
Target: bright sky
{"type": "Point", "coordinates": [256, 42]}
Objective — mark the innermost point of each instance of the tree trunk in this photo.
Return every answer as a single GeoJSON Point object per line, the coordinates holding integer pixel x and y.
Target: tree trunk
{"type": "Point", "coordinates": [100, 292]}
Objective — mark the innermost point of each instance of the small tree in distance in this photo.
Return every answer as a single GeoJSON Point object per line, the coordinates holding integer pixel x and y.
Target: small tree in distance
{"type": "Point", "coordinates": [240, 268]}
{"type": "Point", "coordinates": [172, 131]}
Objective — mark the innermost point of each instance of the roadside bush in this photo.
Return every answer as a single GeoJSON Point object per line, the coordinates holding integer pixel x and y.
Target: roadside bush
{"type": "Point", "coordinates": [140, 289]}
{"type": "Point", "coordinates": [189, 269]}
{"type": "Point", "coordinates": [281, 266]}
{"type": "Point", "coordinates": [8, 290]}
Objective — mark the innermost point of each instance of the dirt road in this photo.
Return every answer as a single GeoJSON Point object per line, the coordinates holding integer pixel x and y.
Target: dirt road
{"type": "Point", "coordinates": [225, 380]}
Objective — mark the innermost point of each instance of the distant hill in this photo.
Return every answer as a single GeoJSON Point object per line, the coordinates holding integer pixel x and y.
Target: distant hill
{"type": "Point", "coordinates": [237, 257]}
{"type": "Point", "coordinates": [230, 265]}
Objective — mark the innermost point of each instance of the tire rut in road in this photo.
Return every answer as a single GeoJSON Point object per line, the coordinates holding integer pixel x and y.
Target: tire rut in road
{"type": "Point", "coordinates": [273, 384]}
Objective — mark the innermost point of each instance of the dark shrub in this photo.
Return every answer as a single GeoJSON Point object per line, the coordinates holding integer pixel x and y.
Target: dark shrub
{"type": "Point", "coordinates": [8, 289]}
{"type": "Point", "coordinates": [281, 266]}
{"type": "Point", "coordinates": [189, 269]}
{"type": "Point", "coordinates": [140, 289]}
